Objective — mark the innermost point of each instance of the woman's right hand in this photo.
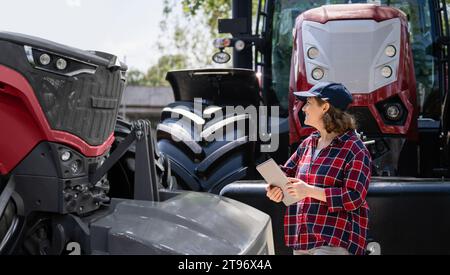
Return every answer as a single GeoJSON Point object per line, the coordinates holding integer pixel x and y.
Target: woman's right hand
{"type": "Point", "coordinates": [274, 193]}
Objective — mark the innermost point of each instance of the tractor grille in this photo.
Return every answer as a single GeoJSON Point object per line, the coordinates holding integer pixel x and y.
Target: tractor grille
{"type": "Point", "coordinates": [84, 105]}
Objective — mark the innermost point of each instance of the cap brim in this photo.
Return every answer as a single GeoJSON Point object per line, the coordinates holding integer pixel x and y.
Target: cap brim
{"type": "Point", "coordinates": [304, 95]}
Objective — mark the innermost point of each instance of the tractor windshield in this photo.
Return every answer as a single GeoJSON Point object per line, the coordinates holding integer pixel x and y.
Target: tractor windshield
{"type": "Point", "coordinates": [421, 36]}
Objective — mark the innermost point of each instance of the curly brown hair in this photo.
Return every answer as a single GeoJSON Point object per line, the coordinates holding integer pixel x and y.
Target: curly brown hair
{"type": "Point", "coordinates": [336, 120]}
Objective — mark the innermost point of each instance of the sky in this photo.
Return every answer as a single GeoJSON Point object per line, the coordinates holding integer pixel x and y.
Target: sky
{"type": "Point", "coordinates": [128, 29]}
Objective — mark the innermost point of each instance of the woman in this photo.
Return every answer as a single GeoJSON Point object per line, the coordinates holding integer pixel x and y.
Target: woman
{"type": "Point", "coordinates": [329, 174]}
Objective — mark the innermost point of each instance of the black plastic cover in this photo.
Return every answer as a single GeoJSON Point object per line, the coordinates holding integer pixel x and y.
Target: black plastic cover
{"type": "Point", "coordinates": [229, 87]}
{"type": "Point", "coordinates": [404, 215]}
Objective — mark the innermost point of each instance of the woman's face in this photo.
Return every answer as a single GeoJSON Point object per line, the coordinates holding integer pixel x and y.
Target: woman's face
{"type": "Point", "coordinates": [314, 113]}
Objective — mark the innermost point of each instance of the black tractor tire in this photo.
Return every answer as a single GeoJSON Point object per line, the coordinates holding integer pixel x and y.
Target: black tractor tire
{"type": "Point", "coordinates": [199, 162]}
{"type": "Point", "coordinates": [6, 219]}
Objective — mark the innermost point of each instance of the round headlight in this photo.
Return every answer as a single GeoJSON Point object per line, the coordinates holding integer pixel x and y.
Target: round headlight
{"type": "Point", "coordinates": [386, 71]}
{"type": "Point", "coordinates": [65, 156]}
{"type": "Point", "coordinates": [221, 57]}
{"type": "Point", "coordinates": [393, 112]}
{"type": "Point", "coordinates": [239, 45]}
{"type": "Point", "coordinates": [317, 74]}
{"type": "Point", "coordinates": [390, 51]}
{"type": "Point", "coordinates": [313, 52]}
{"type": "Point", "coordinates": [61, 64]}
{"type": "Point", "coordinates": [44, 59]}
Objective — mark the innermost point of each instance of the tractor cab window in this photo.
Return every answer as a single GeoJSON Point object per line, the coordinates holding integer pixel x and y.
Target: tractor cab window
{"type": "Point", "coordinates": [285, 13]}
{"type": "Point", "coordinates": [421, 37]}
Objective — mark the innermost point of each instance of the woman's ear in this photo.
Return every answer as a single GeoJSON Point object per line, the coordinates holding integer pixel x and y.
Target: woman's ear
{"type": "Point", "coordinates": [326, 107]}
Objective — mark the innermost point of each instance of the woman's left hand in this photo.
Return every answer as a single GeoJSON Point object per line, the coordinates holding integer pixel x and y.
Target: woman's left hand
{"type": "Point", "coordinates": [298, 188]}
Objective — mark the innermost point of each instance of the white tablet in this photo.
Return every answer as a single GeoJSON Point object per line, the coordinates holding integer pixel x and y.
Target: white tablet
{"type": "Point", "coordinates": [273, 175]}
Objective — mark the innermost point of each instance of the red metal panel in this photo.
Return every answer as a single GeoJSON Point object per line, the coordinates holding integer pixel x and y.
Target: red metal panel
{"type": "Point", "coordinates": [18, 132]}
{"type": "Point", "coordinates": [23, 124]}
{"type": "Point", "coordinates": [352, 12]}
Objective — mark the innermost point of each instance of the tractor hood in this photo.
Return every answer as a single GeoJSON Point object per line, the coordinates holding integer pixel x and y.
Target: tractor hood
{"type": "Point", "coordinates": [94, 57]}
{"type": "Point", "coordinates": [218, 86]}
{"type": "Point", "coordinates": [189, 224]}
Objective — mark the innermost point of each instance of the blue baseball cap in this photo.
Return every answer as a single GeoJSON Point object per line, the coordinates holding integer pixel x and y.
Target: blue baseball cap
{"type": "Point", "coordinates": [334, 93]}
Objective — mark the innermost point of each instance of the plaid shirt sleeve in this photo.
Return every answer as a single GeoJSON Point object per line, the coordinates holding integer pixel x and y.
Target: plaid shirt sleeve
{"type": "Point", "coordinates": [356, 182]}
{"type": "Point", "coordinates": [290, 167]}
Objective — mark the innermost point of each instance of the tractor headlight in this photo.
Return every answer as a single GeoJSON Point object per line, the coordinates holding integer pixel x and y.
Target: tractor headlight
{"type": "Point", "coordinates": [71, 163]}
{"type": "Point", "coordinates": [239, 45]}
{"type": "Point", "coordinates": [317, 74]}
{"type": "Point", "coordinates": [386, 71]}
{"type": "Point", "coordinates": [393, 112]}
{"type": "Point", "coordinates": [61, 64]}
{"type": "Point", "coordinates": [313, 53]}
{"type": "Point", "coordinates": [45, 59]}
{"type": "Point", "coordinates": [221, 57]}
{"type": "Point", "coordinates": [65, 156]}
{"type": "Point", "coordinates": [48, 61]}
{"type": "Point", "coordinates": [390, 51]}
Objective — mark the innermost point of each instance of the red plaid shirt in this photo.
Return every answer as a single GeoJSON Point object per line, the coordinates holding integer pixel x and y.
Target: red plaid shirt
{"type": "Point", "coordinates": [343, 170]}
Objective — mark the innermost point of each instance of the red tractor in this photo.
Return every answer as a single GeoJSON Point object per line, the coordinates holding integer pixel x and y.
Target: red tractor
{"type": "Point", "coordinates": [74, 179]}
{"type": "Point", "coordinates": [366, 47]}
{"type": "Point", "coordinates": [393, 57]}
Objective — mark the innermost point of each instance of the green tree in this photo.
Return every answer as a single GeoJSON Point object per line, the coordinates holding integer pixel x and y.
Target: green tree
{"type": "Point", "coordinates": [190, 33]}
{"type": "Point", "coordinates": [156, 75]}
{"type": "Point", "coordinates": [135, 77]}
{"type": "Point", "coordinates": [187, 32]}
{"type": "Point", "coordinates": [210, 9]}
